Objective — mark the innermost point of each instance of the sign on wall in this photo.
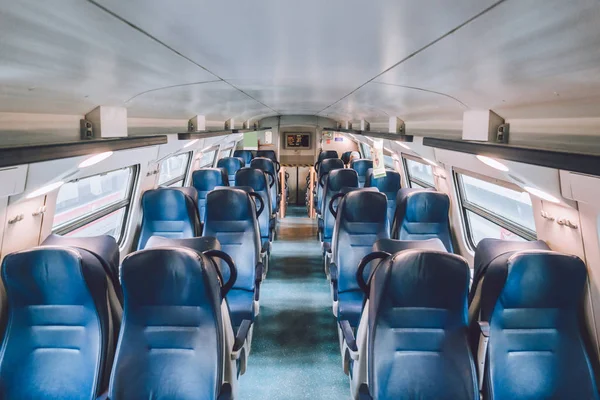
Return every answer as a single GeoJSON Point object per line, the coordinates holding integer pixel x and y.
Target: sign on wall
{"type": "Point", "coordinates": [378, 161]}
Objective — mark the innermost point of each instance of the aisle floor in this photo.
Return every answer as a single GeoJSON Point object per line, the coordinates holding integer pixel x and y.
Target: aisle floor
{"type": "Point", "coordinates": [295, 352]}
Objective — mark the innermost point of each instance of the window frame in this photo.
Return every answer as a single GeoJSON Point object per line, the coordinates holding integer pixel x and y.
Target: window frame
{"type": "Point", "coordinates": [466, 206]}
{"type": "Point", "coordinates": [126, 203]}
{"type": "Point", "coordinates": [214, 158]}
{"type": "Point", "coordinates": [226, 149]}
{"type": "Point", "coordinates": [412, 179]}
{"type": "Point", "coordinates": [178, 178]}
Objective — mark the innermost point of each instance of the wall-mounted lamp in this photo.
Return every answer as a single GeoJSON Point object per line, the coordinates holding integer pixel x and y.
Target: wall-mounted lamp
{"type": "Point", "coordinates": [541, 194]}
{"type": "Point", "coordinates": [45, 189]}
{"type": "Point", "coordinates": [190, 143]}
{"type": "Point", "coordinates": [93, 160]}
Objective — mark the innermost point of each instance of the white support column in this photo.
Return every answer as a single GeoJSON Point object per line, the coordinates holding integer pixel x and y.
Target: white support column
{"type": "Point", "coordinates": [396, 125]}
{"type": "Point", "coordinates": [364, 125]}
{"type": "Point", "coordinates": [249, 124]}
{"type": "Point", "coordinates": [481, 125]}
{"type": "Point", "coordinates": [197, 123]}
{"type": "Point", "coordinates": [108, 122]}
{"type": "Point", "coordinates": [230, 124]}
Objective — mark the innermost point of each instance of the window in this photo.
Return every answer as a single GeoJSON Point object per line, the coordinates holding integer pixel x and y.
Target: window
{"type": "Point", "coordinates": [226, 152]}
{"type": "Point", "coordinates": [97, 205]}
{"type": "Point", "coordinates": [494, 211]}
{"type": "Point", "coordinates": [207, 159]}
{"type": "Point", "coordinates": [173, 170]}
{"type": "Point", "coordinates": [365, 150]}
{"type": "Point", "coordinates": [388, 162]}
{"type": "Point", "coordinates": [420, 175]}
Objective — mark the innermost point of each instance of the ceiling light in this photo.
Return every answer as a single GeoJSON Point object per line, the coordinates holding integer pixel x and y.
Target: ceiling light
{"type": "Point", "coordinates": [93, 160]}
{"type": "Point", "coordinates": [403, 145]}
{"type": "Point", "coordinates": [492, 163]}
{"type": "Point", "coordinates": [45, 189]}
{"type": "Point", "coordinates": [188, 144]}
{"type": "Point", "coordinates": [541, 194]}
{"type": "Point", "coordinates": [429, 162]}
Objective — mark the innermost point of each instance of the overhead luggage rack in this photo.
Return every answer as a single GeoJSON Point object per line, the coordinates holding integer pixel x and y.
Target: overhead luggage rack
{"type": "Point", "coordinates": [220, 132]}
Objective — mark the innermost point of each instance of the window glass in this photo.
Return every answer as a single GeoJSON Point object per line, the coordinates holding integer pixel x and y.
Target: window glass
{"type": "Point", "coordinates": [226, 152]}
{"type": "Point", "coordinates": [388, 162]}
{"type": "Point", "coordinates": [419, 174]}
{"type": "Point", "coordinates": [173, 170]}
{"type": "Point", "coordinates": [365, 150]}
{"type": "Point", "coordinates": [207, 159]}
{"type": "Point", "coordinates": [95, 205]}
{"type": "Point", "coordinates": [481, 228]}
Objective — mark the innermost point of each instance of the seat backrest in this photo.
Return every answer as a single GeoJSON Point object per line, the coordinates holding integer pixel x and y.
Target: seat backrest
{"type": "Point", "coordinates": [327, 166]}
{"type": "Point", "coordinates": [327, 154]}
{"type": "Point", "coordinates": [245, 155]}
{"type": "Point", "coordinates": [533, 302]}
{"type": "Point", "coordinates": [334, 182]}
{"type": "Point", "coordinates": [389, 184]}
{"type": "Point", "coordinates": [169, 212]}
{"type": "Point", "coordinates": [231, 165]}
{"type": "Point", "coordinates": [199, 244]}
{"type": "Point", "coordinates": [268, 166]}
{"type": "Point", "coordinates": [270, 154]}
{"type": "Point", "coordinates": [345, 157]}
{"type": "Point", "coordinates": [206, 179]}
{"type": "Point", "coordinates": [361, 220]}
{"type": "Point", "coordinates": [417, 318]}
{"type": "Point", "coordinates": [361, 166]}
{"type": "Point", "coordinates": [394, 246]}
{"type": "Point", "coordinates": [59, 337]}
{"type": "Point", "coordinates": [422, 214]}
{"type": "Point", "coordinates": [171, 342]}
{"type": "Point", "coordinates": [259, 182]}
{"type": "Point", "coordinates": [231, 218]}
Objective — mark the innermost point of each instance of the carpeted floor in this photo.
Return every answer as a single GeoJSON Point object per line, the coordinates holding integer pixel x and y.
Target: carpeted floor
{"type": "Point", "coordinates": [295, 352]}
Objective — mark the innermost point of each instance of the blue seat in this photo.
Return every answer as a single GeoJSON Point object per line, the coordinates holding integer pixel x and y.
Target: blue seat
{"type": "Point", "coordinates": [204, 180]}
{"type": "Point", "coordinates": [268, 167]}
{"type": "Point", "coordinates": [325, 155]}
{"type": "Point", "coordinates": [169, 212]}
{"type": "Point", "coordinates": [361, 166]}
{"type": "Point", "coordinates": [345, 157]}
{"type": "Point", "coordinates": [270, 154]}
{"type": "Point", "coordinates": [393, 246]}
{"type": "Point", "coordinates": [259, 182]}
{"type": "Point", "coordinates": [361, 220]}
{"type": "Point", "coordinates": [231, 218]}
{"type": "Point", "coordinates": [328, 165]}
{"type": "Point", "coordinates": [334, 182]}
{"type": "Point", "coordinates": [412, 340]}
{"type": "Point", "coordinates": [59, 341]}
{"type": "Point", "coordinates": [245, 155]}
{"type": "Point", "coordinates": [231, 165]}
{"type": "Point", "coordinates": [176, 339]}
{"type": "Point", "coordinates": [422, 214]}
{"type": "Point", "coordinates": [199, 244]}
{"type": "Point", "coordinates": [532, 305]}
{"type": "Point", "coordinates": [389, 184]}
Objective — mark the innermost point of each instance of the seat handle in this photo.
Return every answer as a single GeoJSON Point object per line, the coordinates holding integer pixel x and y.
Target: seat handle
{"type": "Point", "coordinates": [333, 199]}
{"type": "Point", "coordinates": [260, 200]}
{"type": "Point", "coordinates": [360, 279]}
{"type": "Point", "coordinates": [225, 286]}
{"type": "Point", "coordinates": [484, 337]}
{"type": "Point", "coordinates": [271, 178]}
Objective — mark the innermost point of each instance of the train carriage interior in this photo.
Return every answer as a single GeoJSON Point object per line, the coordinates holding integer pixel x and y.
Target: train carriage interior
{"type": "Point", "coordinates": [270, 200]}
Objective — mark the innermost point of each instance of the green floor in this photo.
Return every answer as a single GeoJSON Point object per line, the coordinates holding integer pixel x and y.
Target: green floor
{"type": "Point", "coordinates": [295, 353]}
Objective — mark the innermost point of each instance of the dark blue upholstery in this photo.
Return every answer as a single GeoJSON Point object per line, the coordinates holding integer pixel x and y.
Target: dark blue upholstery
{"type": "Point", "coordinates": [231, 218]}
{"type": "Point", "coordinates": [327, 154]}
{"type": "Point", "coordinates": [270, 154]}
{"type": "Point", "coordinates": [422, 214]}
{"type": "Point", "coordinates": [231, 165]}
{"type": "Point", "coordinates": [533, 302]}
{"type": "Point", "coordinates": [334, 182]}
{"type": "Point", "coordinates": [245, 155]}
{"type": "Point", "coordinates": [171, 342]}
{"type": "Point", "coordinates": [259, 182]}
{"type": "Point", "coordinates": [345, 157]}
{"type": "Point", "coordinates": [59, 340]}
{"type": "Point", "coordinates": [267, 165]}
{"type": "Point", "coordinates": [327, 166]}
{"type": "Point", "coordinates": [361, 166]}
{"type": "Point", "coordinates": [361, 221]}
{"type": "Point", "coordinates": [199, 244]}
{"type": "Point", "coordinates": [169, 212]}
{"type": "Point", "coordinates": [204, 180]}
{"type": "Point", "coordinates": [417, 340]}
{"type": "Point", "coordinates": [394, 246]}
{"type": "Point", "coordinates": [389, 184]}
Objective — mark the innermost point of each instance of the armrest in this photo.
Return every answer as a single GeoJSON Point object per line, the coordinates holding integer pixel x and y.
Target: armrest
{"type": "Point", "coordinates": [225, 392]}
{"type": "Point", "coordinates": [348, 336]}
{"type": "Point", "coordinates": [240, 337]}
{"type": "Point", "coordinates": [103, 396]}
{"type": "Point", "coordinates": [258, 280]}
{"type": "Point", "coordinates": [266, 248]}
{"type": "Point", "coordinates": [484, 337]}
{"type": "Point", "coordinates": [333, 276]}
{"type": "Point", "coordinates": [484, 328]}
{"type": "Point", "coordinates": [327, 247]}
{"type": "Point", "coordinates": [364, 393]}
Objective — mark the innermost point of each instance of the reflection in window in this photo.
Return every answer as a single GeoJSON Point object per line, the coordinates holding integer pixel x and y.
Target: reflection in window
{"type": "Point", "coordinates": [420, 175]}
{"type": "Point", "coordinates": [173, 170]}
{"type": "Point", "coordinates": [97, 205]}
{"type": "Point", "coordinates": [388, 162]}
{"type": "Point", "coordinates": [207, 159]}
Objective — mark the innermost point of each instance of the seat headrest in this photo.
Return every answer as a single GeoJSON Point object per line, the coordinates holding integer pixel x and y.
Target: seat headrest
{"type": "Point", "coordinates": [245, 155]}
{"type": "Point", "coordinates": [361, 166]}
{"type": "Point", "coordinates": [199, 244]}
{"type": "Point", "coordinates": [423, 205]}
{"type": "Point", "coordinates": [338, 178]}
{"type": "Point", "coordinates": [394, 246]}
{"type": "Point", "coordinates": [489, 249]}
{"type": "Point", "coordinates": [252, 177]}
{"type": "Point", "coordinates": [363, 206]}
{"type": "Point", "coordinates": [168, 203]}
{"type": "Point", "coordinates": [389, 183]}
{"type": "Point", "coordinates": [329, 165]}
{"type": "Point", "coordinates": [230, 163]}
{"type": "Point", "coordinates": [206, 179]}
{"type": "Point", "coordinates": [263, 163]}
{"type": "Point", "coordinates": [229, 204]}
{"type": "Point", "coordinates": [270, 154]}
{"type": "Point", "coordinates": [327, 154]}
{"type": "Point", "coordinates": [347, 189]}
{"type": "Point", "coordinates": [345, 157]}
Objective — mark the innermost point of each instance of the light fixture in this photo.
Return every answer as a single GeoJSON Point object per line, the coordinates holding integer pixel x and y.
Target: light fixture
{"type": "Point", "coordinates": [541, 194]}
{"type": "Point", "coordinates": [45, 189]}
{"type": "Point", "coordinates": [492, 163]}
{"type": "Point", "coordinates": [429, 162]}
{"type": "Point", "coordinates": [403, 145]}
{"type": "Point", "coordinates": [93, 160]}
{"type": "Point", "coordinates": [191, 143]}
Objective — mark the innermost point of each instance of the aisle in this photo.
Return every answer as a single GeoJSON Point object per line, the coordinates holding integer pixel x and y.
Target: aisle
{"type": "Point", "coordinates": [295, 353]}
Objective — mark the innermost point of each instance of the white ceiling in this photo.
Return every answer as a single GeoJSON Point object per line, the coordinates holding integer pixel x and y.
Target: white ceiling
{"type": "Point", "coordinates": [346, 59]}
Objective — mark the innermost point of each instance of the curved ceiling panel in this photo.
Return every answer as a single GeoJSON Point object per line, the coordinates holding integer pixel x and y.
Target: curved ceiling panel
{"type": "Point", "coordinates": [523, 59]}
